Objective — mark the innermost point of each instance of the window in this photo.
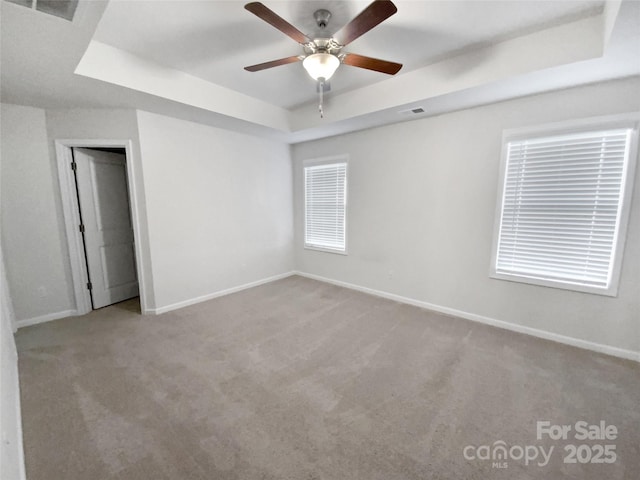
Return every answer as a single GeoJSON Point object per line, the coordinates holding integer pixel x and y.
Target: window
{"type": "Point", "coordinates": [564, 203]}
{"type": "Point", "coordinates": [325, 202]}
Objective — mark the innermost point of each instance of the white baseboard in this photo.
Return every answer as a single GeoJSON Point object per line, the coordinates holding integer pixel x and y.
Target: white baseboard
{"type": "Point", "coordinates": [556, 337]}
{"type": "Point", "coordinates": [210, 296]}
{"type": "Point", "coordinates": [45, 318]}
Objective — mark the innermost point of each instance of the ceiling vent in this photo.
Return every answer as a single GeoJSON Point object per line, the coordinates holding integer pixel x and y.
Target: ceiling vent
{"type": "Point", "coordinates": [412, 111]}
{"type": "Point", "coordinates": [58, 8]}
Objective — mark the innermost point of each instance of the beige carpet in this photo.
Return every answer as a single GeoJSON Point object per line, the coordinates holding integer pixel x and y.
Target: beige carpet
{"type": "Point", "coordinates": [302, 380]}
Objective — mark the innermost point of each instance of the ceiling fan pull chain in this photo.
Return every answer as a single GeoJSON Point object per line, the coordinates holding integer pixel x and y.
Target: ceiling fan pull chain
{"type": "Point", "coordinates": [320, 92]}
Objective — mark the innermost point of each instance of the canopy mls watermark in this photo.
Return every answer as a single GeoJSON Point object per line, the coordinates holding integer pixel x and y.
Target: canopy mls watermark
{"type": "Point", "coordinates": [598, 446]}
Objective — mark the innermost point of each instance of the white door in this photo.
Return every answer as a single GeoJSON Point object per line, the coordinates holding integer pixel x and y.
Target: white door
{"type": "Point", "coordinates": [108, 236]}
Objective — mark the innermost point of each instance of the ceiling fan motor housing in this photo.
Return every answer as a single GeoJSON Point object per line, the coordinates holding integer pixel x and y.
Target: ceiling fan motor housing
{"type": "Point", "coordinates": [323, 45]}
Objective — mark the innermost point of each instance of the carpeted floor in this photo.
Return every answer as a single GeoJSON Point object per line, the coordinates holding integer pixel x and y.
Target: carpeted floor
{"type": "Point", "coordinates": [302, 380]}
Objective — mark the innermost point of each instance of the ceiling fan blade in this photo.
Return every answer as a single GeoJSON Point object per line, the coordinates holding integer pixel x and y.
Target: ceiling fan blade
{"type": "Point", "coordinates": [271, 64]}
{"type": "Point", "coordinates": [374, 14]}
{"type": "Point", "coordinates": [369, 63]}
{"type": "Point", "coordinates": [273, 19]}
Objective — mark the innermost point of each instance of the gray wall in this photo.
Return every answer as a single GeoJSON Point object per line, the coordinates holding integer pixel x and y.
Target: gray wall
{"type": "Point", "coordinates": [217, 211]}
{"type": "Point", "coordinates": [33, 245]}
{"type": "Point", "coordinates": [219, 206]}
{"type": "Point", "coordinates": [11, 450]}
{"type": "Point", "coordinates": [422, 198]}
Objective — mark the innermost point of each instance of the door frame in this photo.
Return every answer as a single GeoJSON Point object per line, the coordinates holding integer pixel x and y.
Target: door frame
{"type": "Point", "coordinates": [71, 213]}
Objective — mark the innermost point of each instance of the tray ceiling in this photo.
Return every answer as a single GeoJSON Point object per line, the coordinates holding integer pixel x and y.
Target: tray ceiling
{"type": "Point", "coordinates": [185, 59]}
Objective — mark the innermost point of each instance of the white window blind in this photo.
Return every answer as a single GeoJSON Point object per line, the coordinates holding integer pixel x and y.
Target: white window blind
{"type": "Point", "coordinates": [325, 206]}
{"type": "Point", "coordinates": [561, 207]}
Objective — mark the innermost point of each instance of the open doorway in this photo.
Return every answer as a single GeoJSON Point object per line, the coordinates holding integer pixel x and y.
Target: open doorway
{"type": "Point", "coordinates": [98, 198]}
{"type": "Point", "coordinates": [105, 224]}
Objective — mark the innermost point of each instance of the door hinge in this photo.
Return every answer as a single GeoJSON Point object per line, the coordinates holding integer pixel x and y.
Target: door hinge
{"type": "Point", "coordinates": [74, 165]}
{"type": "Point", "coordinates": [89, 286]}
{"type": "Point", "coordinates": [81, 228]}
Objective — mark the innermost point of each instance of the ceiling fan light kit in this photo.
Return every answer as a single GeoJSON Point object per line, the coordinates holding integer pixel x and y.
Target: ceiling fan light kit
{"type": "Point", "coordinates": [323, 56]}
{"type": "Point", "coordinates": [321, 65]}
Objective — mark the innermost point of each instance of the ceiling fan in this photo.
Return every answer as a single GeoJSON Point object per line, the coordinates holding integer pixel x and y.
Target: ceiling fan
{"type": "Point", "coordinates": [322, 56]}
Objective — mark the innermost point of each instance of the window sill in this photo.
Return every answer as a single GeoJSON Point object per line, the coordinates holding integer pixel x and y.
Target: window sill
{"type": "Point", "coordinates": [326, 250]}
{"type": "Point", "coordinates": [611, 291]}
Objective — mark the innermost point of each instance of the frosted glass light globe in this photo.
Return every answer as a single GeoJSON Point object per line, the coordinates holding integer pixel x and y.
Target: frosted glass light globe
{"type": "Point", "coordinates": [321, 65]}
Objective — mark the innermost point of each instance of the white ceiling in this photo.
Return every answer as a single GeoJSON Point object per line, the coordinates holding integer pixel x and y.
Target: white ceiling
{"type": "Point", "coordinates": [214, 40]}
{"type": "Point", "coordinates": [185, 58]}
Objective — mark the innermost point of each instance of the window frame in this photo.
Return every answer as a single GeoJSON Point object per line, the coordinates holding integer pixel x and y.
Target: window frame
{"type": "Point", "coordinates": [335, 159]}
{"type": "Point", "coordinates": [610, 122]}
